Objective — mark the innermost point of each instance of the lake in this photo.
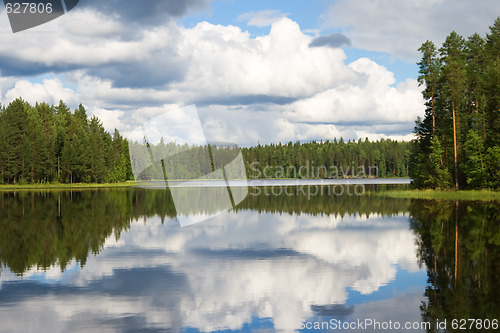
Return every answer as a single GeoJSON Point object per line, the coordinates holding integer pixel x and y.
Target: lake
{"type": "Point", "coordinates": [290, 257]}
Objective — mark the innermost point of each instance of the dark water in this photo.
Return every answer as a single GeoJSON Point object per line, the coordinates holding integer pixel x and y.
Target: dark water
{"type": "Point", "coordinates": [286, 259]}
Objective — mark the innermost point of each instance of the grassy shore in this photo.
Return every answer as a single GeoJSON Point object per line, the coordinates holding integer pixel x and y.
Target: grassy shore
{"type": "Point", "coordinates": [57, 186]}
{"type": "Point", "coordinates": [483, 195]}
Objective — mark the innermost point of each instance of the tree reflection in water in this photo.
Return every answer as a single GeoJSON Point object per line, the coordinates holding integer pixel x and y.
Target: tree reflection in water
{"type": "Point", "coordinates": [44, 228]}
{"type": "Point", "coordinates": [459, 242]}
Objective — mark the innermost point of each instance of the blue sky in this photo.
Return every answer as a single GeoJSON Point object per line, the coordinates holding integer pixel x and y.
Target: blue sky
{"type": "Point", "coordinates": [308, 14]}
{"type": "Point", "coordinates": [257, 71]}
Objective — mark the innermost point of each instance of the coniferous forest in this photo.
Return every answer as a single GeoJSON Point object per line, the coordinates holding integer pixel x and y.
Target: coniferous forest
{"type": "Point", "coordinates": [328, 159]}
{"type": "Point", "coordinates": [46, 143]}
{"type": "Point", "coordinates": [458, 140]}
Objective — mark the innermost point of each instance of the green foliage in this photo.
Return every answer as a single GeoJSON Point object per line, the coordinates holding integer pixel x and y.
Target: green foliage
{"type": "Point", "coordinates": [329, 159]}
{"type": "Point", "coordinates": [438, 177]}
{"type": "Point", "coordinates": [462, 92]}
{"type": "Point", "coordinates": [475, 166]}
{"type": "Point", "coordinates": [493, 165]}
{"type": "Point", "coordinates": [463, 195]}
{"type": "Point", "coordinates": [43, 144]}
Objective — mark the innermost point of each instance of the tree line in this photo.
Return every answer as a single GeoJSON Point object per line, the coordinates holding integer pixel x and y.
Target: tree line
{"type": "Point", "coordinates": [458, 140]}
{"type": "Point", "coordinates": [46, 143]}
{"type": "Point", "coordinates": [328, 159]}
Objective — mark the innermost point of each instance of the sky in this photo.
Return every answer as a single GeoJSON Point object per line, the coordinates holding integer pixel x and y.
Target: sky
{"type": "Point", "coordinates": [257, 71]}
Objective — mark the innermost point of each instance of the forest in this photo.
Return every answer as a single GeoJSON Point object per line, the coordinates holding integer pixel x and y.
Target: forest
{"type": "Point", "coordinates": [458, 140]}
{"type": "Point", "coordinates": [50, 144]}
{"type": "Point", "coordinates": [328, 159]}
{"type": "Point", "coordinates": [46, 144]}
{"type": "Point", "coordinates": [320, 160]}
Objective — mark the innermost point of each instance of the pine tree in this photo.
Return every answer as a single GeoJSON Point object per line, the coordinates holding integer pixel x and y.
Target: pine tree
{"type": "Point", "coordinates": [62, 119]}
{"type": "Point", "coordinates": [3, 156]}
{"type": "Point", "coordinates": [492, 84]}
{"type": "Point", "coordinates": [452, 56]}
{"type": "Point", "coordinates": [475, 73]}
{"type": "Point", "coordinates": [438, 177]}
{"type": "Point", "coordinates": [467, 106]}
{"type": "Point", "coordinates": [35, 147]}
{"type": "Point", "coordinates": [99, 150]}
{"type": "Point", "coordinates": [43, 143]}
{"type": "Point", "coordinates": [14, 136]}
{"type": "Point", "coordinates": [475, 165]}
{"type": "Point", "coordinates": [429, 75]}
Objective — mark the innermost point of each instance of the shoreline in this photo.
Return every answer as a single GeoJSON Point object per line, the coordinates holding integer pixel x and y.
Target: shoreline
{"type": "Point", "coordinates": [482, 195]}
{"type": "Point", "coordinates": [56, 186]}
{"type": "Point", "coordinates": [257, 182]}
{"type": "Point", "coordinates": [470, 195]}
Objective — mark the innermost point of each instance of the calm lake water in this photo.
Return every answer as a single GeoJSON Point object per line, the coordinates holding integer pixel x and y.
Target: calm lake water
{"type": "Point", "coordinates": [283, 260]}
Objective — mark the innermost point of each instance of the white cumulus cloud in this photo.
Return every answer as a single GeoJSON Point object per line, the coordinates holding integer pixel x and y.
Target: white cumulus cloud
{"type": "Point", "coordinates": [269, 88]}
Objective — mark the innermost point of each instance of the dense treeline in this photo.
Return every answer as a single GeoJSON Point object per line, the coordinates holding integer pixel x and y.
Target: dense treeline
{"type": "Point", "coordinates": [458, 141]}
{"type": "Point", "coordinates": [329, 159]}
{"type": "Point", "coordinates": [46, 143]}
{"type": "Point", "coordinates": [180, 161]}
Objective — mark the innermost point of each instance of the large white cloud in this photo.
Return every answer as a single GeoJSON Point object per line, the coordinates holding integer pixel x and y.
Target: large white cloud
{"type": "Point", "coordinates": [264, 89]}
{"type": "Point", "coordinates": [376, 101]}
{"type": "Point", "coordinates": [400, 27]}
{"type": "Point", "coordinates": [49, 91]}
{"type": "Point", "coordinates": [227, 63]}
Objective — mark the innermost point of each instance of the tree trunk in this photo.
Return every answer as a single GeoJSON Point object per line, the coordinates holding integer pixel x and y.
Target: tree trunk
{"type": "Point", "coordinates": [455, 144]}
{"type": "Point", "coordinates": [477, 114]}
{"type": "Point", "coordinates": [456, 243]}
{"type": "Point", "coordinates": [435, 271]}
{"type": "Point", "coordinates": [445, 151]}
{"type": "Point", "coordinates": [433, 115]}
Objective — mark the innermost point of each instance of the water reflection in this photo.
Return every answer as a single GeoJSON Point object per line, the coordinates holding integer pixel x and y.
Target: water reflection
{"type": "Point", "coordinates": [459, 242]}
{"type": "Point", "coordinates": [118, 260]}
{"type": "Point", "coordinates": [41, 229]}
